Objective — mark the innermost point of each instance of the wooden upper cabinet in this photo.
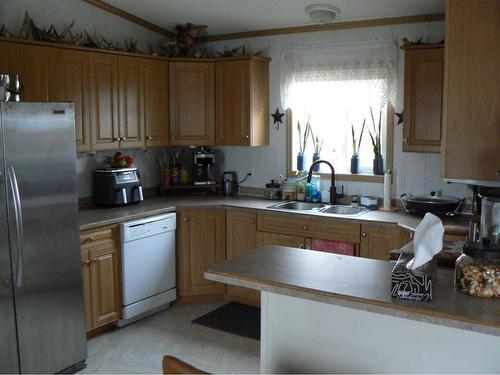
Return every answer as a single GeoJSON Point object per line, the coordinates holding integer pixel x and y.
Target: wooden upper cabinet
{"type": "Point", "coordinates": [471, 110]}
{"type": "Point", "coordinates": [156, 102]}
{"type": "Point", "coordinates": [33, 64]}
{"type": "Point", "coordinates": [131, 101]}
{"type": "Point", "coordinates": [242, 102]}
{"type": "Point", "coordinates": [423, 92]}
{"type": "Point", "coordinates": [201, 241]}
{"type": "Point", "coordinates": [103, 81]}
{"type": "Point", "coordinates": [192, 103]}
{"type": "Point", "coordinates": [69, 83]}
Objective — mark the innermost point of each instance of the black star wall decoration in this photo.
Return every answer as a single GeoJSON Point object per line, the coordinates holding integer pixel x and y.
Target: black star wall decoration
{"type": "Point", "coordinates": [278, 118]}
{"type": "Point", "coordinates": [400, 117]}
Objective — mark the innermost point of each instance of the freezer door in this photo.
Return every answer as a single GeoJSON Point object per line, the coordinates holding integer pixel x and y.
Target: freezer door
{"type": "Point", "coordinates": [9, 359]}
{"type": "Point", "coordinates": [40, 162]}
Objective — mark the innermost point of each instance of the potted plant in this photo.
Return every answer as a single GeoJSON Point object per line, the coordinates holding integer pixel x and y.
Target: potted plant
{"type": "Point", "coordinates": [378, 161]}
{"type": "Point", "coordinates": [301, 190]}
{"type": "Point", "coordinates": [303, 138]}
{"type": "Point", "coordinates": [355, 148]}
{"type": "Point", "coordinates": [318, 145]}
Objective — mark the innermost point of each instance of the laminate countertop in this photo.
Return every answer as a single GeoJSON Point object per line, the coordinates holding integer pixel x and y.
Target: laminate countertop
{"type": "Point", "coordinates": [354, 282]}
{"type": "Point", "coordinates": [92, 217]}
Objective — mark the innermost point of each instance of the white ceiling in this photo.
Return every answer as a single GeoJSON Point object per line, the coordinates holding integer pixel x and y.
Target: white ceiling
{"type": "Point", "coordinates": [228, 16]}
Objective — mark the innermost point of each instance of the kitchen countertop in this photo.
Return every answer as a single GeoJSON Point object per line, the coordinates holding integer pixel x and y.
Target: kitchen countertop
{"type": "Point", "coordinates": [93, 217]}
{"type": "Point", "coordinates": [354, 282]}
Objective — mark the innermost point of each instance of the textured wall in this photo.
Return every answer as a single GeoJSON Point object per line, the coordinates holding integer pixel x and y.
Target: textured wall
{"type": "Point", "coordinates": [62, 12]}
{"type": "Point", "coordinates": [421, 171]}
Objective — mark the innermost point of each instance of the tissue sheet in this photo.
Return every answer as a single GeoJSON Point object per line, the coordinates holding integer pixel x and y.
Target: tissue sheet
{"type": "Point", "coordinates": [427, 241]}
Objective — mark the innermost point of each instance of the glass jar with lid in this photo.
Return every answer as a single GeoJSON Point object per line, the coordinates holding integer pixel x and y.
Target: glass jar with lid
{"type": "Point", "coordinates": [477, 270]}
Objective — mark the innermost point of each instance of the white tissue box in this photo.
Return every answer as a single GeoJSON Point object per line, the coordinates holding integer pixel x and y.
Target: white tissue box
{"type": "Point", "coordinates": [416, 285]}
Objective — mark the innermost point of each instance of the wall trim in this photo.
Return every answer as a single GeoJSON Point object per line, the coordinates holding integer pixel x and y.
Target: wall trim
{"type": "Point", "coordinates": [327, 27]}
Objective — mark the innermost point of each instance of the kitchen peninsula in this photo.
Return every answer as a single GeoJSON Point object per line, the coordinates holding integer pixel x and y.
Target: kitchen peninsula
{"type": "Point", "coordinates": [324, 311]}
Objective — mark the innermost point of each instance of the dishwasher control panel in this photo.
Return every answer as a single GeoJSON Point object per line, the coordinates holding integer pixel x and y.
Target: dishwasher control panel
{"type": "Point", "coordinates": [150, 226]}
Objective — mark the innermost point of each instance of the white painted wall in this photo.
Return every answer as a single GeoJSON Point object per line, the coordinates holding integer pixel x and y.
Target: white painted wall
{"type": "Point", "coordinates": [62, 12]}
{"type": "Point", "coordinates": [421, 171]}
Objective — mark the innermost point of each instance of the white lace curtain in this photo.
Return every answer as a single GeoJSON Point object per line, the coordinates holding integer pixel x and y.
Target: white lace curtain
{"type": "Point", "coordinates": [373, 61]}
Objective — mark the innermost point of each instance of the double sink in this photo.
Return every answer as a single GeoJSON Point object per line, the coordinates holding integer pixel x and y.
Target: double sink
{"type": "Point", "coordinates": [336, 209]}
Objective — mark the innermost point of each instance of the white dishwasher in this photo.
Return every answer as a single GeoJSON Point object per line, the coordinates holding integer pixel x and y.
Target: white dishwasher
{"type": "Point", "coordinates": [148, 266]}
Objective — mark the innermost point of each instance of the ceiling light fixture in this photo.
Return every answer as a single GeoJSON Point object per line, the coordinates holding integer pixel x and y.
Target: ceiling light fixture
{"type": "Point", "coordinates": [322, 13]}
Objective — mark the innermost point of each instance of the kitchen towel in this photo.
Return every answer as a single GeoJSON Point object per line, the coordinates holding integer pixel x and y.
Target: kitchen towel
{"type": "Point", "coordinates": [336, 247]}
{"type": "Point", "coordinates": [427, 241]}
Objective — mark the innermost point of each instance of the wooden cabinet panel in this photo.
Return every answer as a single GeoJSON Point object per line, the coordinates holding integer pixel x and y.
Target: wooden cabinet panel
{"type": "Point", "coordinates": [201, 241]}
{"type": "Point", "coordinates": [192, 103]}
{"type": "Point", "coordinates": [104, 288]}
{"type": "Point", "coordinates": [103, 81]}
{"type": "Point", "coordinates": [308, 226]}
{"type": "Point", "coordinates": [233, 102]}
{"type": "Point", "coordinates": [471, 113]}
{"type": "Point", "coordinates": [265, 238]}
{"type": "Point", "coordinates": [242, 113]}
{"type": "Point", "coordinates": [377, 241]}
{"type": "Point", "coordinates": [87, 298]}
{"type": "Point", "coordinates": [156, 102]}
{"type": "Point", "coordinates": [131, 101]}
{"type": "Point", "coordinates": [69, 83]}
{"type": "Point", "coordinates": [423, 92]}
{"type": "Point", "coordinates": [241, 236]}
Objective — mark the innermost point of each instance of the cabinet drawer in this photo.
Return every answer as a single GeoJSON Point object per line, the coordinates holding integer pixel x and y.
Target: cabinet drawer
{"type": "Point", "coordinates": [308, 226]}
{"type": "Point", "coordinates": [99, 237]}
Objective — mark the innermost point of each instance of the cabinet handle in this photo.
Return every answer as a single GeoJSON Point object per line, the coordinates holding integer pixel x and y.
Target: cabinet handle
{"type": "Point", "coordinates": [405, 140]}
{"type": "Point", "coordinates": [252, 221]}
{"type": "Point", "coordinates": [149, 138]}
{"type": "Point", "coordinates": [363, 234]}
{"type": "Point", "coordinates": [306, 227]}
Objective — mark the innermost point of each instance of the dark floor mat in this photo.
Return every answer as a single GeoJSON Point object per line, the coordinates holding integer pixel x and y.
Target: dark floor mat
{"type": "Point", "coordinates": [234, 317]}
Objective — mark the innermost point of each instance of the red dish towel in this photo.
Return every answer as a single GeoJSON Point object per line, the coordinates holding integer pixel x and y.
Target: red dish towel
{"type": "Point", "coordinates": [336, 247]}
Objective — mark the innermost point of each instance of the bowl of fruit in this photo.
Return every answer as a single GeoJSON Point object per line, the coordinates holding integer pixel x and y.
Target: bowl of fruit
{"type": "Point", "coordinates": [119, 160]}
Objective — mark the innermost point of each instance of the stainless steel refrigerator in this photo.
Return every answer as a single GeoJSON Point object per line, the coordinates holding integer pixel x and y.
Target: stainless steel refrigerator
{"type": "Point", "coordinates": [42, 325]}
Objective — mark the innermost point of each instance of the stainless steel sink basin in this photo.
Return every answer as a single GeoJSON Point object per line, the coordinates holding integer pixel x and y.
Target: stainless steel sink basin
{"type": "Point", "coordinates": [344, 210]}
{"type": "Point", "coordinates": [299, 206]}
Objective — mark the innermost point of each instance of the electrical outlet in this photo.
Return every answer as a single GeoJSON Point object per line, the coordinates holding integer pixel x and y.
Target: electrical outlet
{"type": "Point", "coordinates": [401, 188]}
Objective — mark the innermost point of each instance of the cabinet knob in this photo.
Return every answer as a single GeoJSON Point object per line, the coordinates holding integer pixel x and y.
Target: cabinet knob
{"type": "Point", "coordinates": [185, 220]}
{"type": "Point", "coordinates": [86, 262]}
{"type": "Point", "coordinates": [252, 221]}
{"type": "Point", "coordinates": [363, 234]}
{"type": "Point", "coordinates": [305, 227]}
{"type": "Point", "coordinates": [93, 260]}
{"type": "Point", "coordinates": [123, 139]}
{"type": "Point", "coordinates": [149, 138]}
{"type": "Point", "coordinates": [116, 139]}
{"type": "Point", "coordinates": [498, 173]}
{"type": "Point", "coordinates": [405, 140]}
{"type": "Point", "coordinates": [247, 136]}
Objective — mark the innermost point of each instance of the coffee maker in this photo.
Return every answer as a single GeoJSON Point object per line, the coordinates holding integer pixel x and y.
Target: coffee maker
{"type": "Point", "coordinates": [204, 167]}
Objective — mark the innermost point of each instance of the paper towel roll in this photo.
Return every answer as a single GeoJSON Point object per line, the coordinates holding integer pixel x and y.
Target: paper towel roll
{"type": "Point", "coordinates": [387, 189]}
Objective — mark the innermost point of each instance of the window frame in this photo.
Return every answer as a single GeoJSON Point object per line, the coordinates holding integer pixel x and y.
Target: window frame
{"type": "Point", "coordinates": [388, 151]}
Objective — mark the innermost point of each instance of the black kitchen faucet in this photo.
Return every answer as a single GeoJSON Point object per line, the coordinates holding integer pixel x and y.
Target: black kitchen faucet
{"type": "Point", "coordinates": [333, 189]}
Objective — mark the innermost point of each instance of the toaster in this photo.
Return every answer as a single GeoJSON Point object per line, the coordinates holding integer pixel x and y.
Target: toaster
{"type": "Point", "coordinates": [116, 187]}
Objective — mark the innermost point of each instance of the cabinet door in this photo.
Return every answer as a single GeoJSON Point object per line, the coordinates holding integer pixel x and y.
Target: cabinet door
{"type": "Point", "coordinates": [241, 236]}
{"type": "Point", "coordinates": [423, 92]}
{"type": "Point", "coordinates": [105, 290]}
{"type": "Point", "coordinates": [156, 102]}
{"type": "Point", "coordinates": [471, 113]}
{"type": "Point", "coordinates": [103, 81]}
{"type": "Point", "coordinates": [265, 238]}
{"type": "Point", "coordinates": [87, 297]}
{"type": "Point", "coordinates": [192, 103]}
{"type": "Point", "coordinates": [131, 101]}
{"type": "Point", "coordinates": [377, 241]}
{"type": "Point", "coordinates": [33, 64]}
{"type": "Point", "coordinates": [201, 238]}
{"type": "Point", "coordinates": [233, 102]}
{"type": "Point", "coordinates": [69, 83]}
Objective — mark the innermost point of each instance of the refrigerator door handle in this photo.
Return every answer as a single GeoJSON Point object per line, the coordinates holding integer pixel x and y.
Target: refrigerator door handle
{"type": "Point", "coordinates": [16, 197]}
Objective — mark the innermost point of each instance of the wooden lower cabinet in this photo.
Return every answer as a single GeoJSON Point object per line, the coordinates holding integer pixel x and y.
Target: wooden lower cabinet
{"type": "Point", "coordinates": [377, 241]}
{"type": "Point", "coordinates": [265, 238]}
{"type": "Point", "coordinates": [200, 242]}
{"type": "Point", "coordinates": [101, 276]}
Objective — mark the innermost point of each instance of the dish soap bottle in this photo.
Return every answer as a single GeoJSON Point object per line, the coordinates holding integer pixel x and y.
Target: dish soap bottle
{"type": "Point", "coordinates": [315, 188]}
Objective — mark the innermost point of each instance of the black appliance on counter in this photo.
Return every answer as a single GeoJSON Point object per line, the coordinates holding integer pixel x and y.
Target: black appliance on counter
{"type": "Point", "coordinates": [204, 169]}
{"type": "Point", "coordinates": [116, 187]}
